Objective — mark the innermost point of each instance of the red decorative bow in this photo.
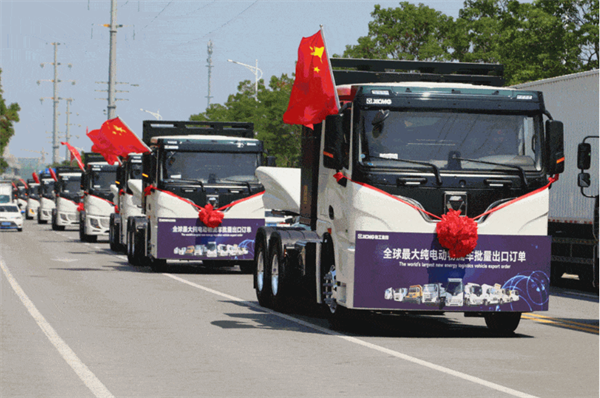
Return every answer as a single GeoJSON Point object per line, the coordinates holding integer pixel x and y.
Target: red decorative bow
{"type": "Point", "coordinates": [210, 217]}
{"type": "Point", "coordinates": [457, 234]}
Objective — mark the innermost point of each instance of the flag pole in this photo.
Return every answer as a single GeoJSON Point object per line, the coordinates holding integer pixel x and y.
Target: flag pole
{"type": "Point", "coordinates": [337, 99]}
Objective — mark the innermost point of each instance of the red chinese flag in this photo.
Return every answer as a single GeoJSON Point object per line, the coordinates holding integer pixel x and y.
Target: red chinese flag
{"type": "Point", "coordinates": [35, 177]}
{"type": "Point", "coordinates": [53, 174]}
{"type": "Point", "coordinates": [313, 94]}
{"type": "Point", "coordinates": [102, 146]}
{"type": "Point", "coordinates": [74, 155]}
{"type": "Point", "coordinates": [123, 140]}
{"type": "Point", "coordinates": [115, 139]}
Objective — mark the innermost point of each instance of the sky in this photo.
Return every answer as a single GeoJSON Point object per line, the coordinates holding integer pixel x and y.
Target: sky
{"type": "Point", "coordinates": [161, 56]}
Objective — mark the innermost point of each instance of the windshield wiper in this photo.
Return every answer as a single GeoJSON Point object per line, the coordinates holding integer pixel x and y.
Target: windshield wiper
{"type": "Point", "coordinates": [511, 166]}
{"type": "Point", "coordinates": [185, 180]}
{"type": "Point", "coordinates": [436, 171]}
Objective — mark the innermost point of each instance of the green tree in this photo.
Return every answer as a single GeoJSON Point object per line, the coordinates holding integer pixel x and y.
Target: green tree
{"type": "Point", "coordinates": [281, 140]}
{"type": "Point", "coordinates": [8, 116]}
{"type": "Point", "coordinates": [408, 32]}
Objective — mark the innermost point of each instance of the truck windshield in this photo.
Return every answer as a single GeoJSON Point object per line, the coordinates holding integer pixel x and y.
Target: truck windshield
{"type": "Point", "coordinates": [102, 180]}
{"type": "Point", "coordinates": [430, 288]}
{"type": "Point", "coordinates": [210, 167]}
{"type": "Point", "coordinates": [71, 184]}
{"type": "Point", "coordinates": [448, 139]}
{"type": "Point", "coordinates": [47, 187]}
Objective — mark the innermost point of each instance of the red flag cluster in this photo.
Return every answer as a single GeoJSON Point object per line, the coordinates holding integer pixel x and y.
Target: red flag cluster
{"type": "Point", "coordinates": [115, 139]}
{"type": "Point", "coordinates": [313, 93]}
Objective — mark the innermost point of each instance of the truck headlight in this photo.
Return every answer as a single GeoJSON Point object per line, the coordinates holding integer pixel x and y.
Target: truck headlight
{"type": "Point", "coordinates": [94, 223]}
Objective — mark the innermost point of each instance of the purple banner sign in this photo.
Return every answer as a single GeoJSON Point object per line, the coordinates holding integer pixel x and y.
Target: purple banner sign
{"type": "Point", "coordinates": [190, 239]}
{"type": "Point", "coordinates": [412, 271]}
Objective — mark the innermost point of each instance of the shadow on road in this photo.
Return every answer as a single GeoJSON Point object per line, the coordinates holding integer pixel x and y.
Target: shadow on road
{"type": "Point", "coordinates": [362, 324]}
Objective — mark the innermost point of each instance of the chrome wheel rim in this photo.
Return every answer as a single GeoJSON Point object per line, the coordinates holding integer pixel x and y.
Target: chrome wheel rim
{"type": "Point", "coordinates": [275, 275]}
{"type": "Point", "coordinates": [260, 271]}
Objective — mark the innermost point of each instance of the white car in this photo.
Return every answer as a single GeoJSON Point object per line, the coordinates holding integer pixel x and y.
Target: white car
{"type": "Point", "coordinates": [10, 217]}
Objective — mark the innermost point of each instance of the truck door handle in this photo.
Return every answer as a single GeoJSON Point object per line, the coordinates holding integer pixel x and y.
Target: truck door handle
{"type": "Point", "coordinates": [497, 182]}
{"type": "Point", "coordinates": [411, 181]}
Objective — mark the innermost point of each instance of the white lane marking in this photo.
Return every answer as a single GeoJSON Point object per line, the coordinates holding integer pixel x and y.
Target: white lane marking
{"type": "Point", "coordinates": [354, 340]}
{"type": "Point", "coordinates": [122, 257]}
{"type": "Point", "coordinates": [88, 378]}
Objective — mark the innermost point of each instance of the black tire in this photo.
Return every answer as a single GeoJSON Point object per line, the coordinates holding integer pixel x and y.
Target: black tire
{"type": "Point", "coordinates": [262, 283]}
{"type": "Point", "coordinates": [131, 247]}
{"type": "Point", "coordinates": [502, 322]}
{"type": "Point", "coordinates": [339, 317]}
{"type": "Point", "coordinates": [113, 237]}
{"type": "Point", "coordinates": [20, 229]}
{"type": "Point", "coordinates": [279, 274]}
{"type": "Point", "coordinates": [54, 224]}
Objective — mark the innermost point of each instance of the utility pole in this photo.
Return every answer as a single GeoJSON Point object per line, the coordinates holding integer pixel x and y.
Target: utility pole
{"type": "Point", "coordinates": [67, 130]}
{"type": "Point", "coordinates": [55, 100]}
{"type": "Point", "coordinates": [209, 66]}
{"type": "Point", "coordinates": [112, 66]}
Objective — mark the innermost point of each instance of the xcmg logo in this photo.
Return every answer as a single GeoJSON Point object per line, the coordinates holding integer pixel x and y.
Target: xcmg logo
{"type": "Point", "coordinates": [379, 101]}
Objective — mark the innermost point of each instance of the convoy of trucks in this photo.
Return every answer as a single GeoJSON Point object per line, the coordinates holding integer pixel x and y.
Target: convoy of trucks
{"type": "Point", "coordinates": [573, 218]}
{"type": "Point", "coordinates": [196, 170]}
{"type": "Point", "coordinates": [94, 216]}
{"type": "Point", "coordinates": [412, 143]}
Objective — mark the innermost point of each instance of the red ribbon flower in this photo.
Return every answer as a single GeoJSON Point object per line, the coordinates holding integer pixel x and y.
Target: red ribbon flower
{"type": "Point", "coordinates": [148, 190]}
{"type": "Point", "coordinates": [80, 206]}
{"type": "Point", "coordinates": [210, 217]}
{"type": "Point", "coordinates": [457, 234]}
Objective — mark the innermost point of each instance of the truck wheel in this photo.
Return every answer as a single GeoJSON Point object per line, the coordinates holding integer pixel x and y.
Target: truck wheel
{"type": "Point", "coordinates": [112, 238]}
{"type": "Point", "coordinates": [337, 315]}
{"type": "Point", "coordinates": [279, 274]}
{"type": "Point", "coordinates": [131, 247]}
{"type": "Point", "coordinates": [261, 278]}
{"type": "Point", "coordinates": [502, 322]}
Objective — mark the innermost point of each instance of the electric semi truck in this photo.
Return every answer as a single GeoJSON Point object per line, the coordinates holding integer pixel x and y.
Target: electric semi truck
{"type": "Point", "coordinates": [97, 201]}
{"type": "Point", "coordinates": [127, 202]}
{"type": "Point", "coordinates": [67, 197]}
{"type": "Point", "coordinates": [412, 141]}
{"type": "Point", "coordinates": [198, 171]}
{"type": "Point", "coordinates": [46, 195]}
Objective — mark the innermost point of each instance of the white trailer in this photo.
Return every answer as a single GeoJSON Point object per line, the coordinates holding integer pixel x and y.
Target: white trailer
{"type": "Point", "coordinates": [573, 99]}
{"type": "Point", "coordinates": [404, 149]}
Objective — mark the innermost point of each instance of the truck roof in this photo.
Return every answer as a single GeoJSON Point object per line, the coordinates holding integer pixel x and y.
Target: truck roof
{"type": "Point", "coordinates": [199, 138]}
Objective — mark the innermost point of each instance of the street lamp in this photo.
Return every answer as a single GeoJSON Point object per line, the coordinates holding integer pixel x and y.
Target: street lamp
{"type": "Point", "coordinates": [155, 114]}
{"type": "Point", "coordinates": [255, 70]}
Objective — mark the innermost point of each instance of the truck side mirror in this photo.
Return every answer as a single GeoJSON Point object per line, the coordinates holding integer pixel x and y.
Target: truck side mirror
{"type": "Point", "coordinates": [271, 161]}
{"type": "Point", "coordinates": [584, 156]}
{"type": "Point", "coordinates": [583, 180]}
{"type": "Point", "coordinates": [334, 139]}
{"type": "Point", "coordinates": [555, 153]}
{"type": "Point", "coordinates": [148, 167]}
